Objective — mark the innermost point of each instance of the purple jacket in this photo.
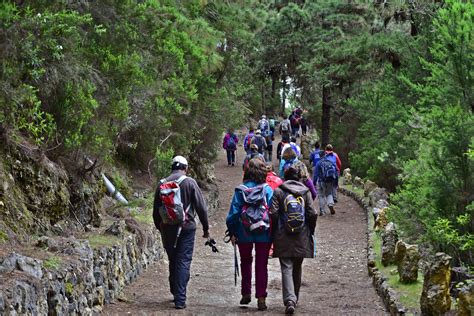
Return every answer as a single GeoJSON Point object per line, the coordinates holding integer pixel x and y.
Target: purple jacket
{"type": "Point", "coordinates": [309, 183]}
{"type": "Point", "coordinates": [226, 140]}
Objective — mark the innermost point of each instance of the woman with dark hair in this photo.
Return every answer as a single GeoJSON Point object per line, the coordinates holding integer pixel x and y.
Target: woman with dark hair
{"type": "Point", "coordinates": [294, 221]}
{"type": "Point", "coordinates": [249, 225]}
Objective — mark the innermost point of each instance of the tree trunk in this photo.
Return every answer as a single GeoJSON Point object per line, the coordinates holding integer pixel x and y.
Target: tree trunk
{"type": "Point", "coordinates": [326, 118]}
{"type": "Point", "coordinates": [283, 95]}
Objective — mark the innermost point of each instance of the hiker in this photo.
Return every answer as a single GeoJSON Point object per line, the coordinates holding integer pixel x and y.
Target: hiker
{"type": "Point", "coordinates": [248, 139]}
{"type": "Point", "coordinates": [253, 197]}
{"type": "Point", "coordinates": [326, 177]}
{"type": "Point", "coordinates": [253, 153]}
{"type": "Point", "coordinates": [284, 140]}
{"type": "Point", "coordinates": [178, 199]}
{"type": "Point", "coordinates": [289, 158]}
{"type": "Point", "coordinates": [295, 123]}
{"type": "Point", "coordinates": [274, 181]}
{"type": "Point", "coordinates": [285, 127]}
{"type": "Point", "coordinates": [260, 141]}
{"type": "Point", "coordinates": [269, 149]}
{"type": "Point", "coordinates": [272, 122]}
{"type": "Point", "coordinates": [264, 126]}
{"type": "Point", "coordinates": [293, 145]}
{"type": "Point", "coordinates": [230, 145]}
{"type": "Point", "coordinates": [314, 158]}
{"type": "Point", "coordinates": [294, 221]}
{"type": "Point", "coordinates": [304, 126]}
{"type": "Point", "coordinates": [331, 155]}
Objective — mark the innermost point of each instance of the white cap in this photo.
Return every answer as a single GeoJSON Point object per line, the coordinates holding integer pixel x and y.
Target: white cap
{"type": "Point", "coordinates": [264, 116]}
{"type": "Point", "coordinates": [180, 160]}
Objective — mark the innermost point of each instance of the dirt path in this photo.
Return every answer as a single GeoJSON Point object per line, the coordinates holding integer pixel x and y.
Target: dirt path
{"type": "Point", "coordinates": [334, 283]}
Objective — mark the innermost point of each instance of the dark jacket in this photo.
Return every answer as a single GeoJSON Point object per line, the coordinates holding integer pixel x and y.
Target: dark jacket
{"type": "Point", "coordinates": [190, 194]}
{"type": "Point", "coordinates": [286, 245]}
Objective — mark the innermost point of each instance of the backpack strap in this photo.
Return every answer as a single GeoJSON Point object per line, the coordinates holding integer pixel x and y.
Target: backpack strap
{"type": "Point", "coordinates": [180, 179]}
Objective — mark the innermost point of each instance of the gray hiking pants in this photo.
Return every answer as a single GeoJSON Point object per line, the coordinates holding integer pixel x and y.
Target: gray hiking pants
{"type": "Point", "coordinates": [291, 278]}
{"type": "Point", "coordinates": [325, 194]}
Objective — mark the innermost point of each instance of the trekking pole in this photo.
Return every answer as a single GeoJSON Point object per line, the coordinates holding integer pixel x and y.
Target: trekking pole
{"type": "Point", "coordinates": [236, 266]}
{"type": "Point", "coordinates": [177, 236]}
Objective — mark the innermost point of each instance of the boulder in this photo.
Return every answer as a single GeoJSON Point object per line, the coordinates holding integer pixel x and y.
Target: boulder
{"type": "Point", "coordinates": [389, 240]}
{"type": "Point", "coordinates": [376, 195]}
{"type": "Point", "coordinates": [19, 262]}
{"type": "Point", "coordinates": [358, 182]}
{"type": "Point", "coordinates": [381, 220]}
{"type": "Point", "coordinates": [465, 302]}
{"type": "Point", "coordinates": [369, 186]}
{"type": "Point", "coordinates": [346, 176]}
{"type": "Point", "coordinates": [435, 299]}
{"type": "Point", "coordinates": [407, 258]}
{"type": "Point", "coordinates": [307, 144]}
{"type": "Point", "coordinates": [116, 229]}
{"type": "Point", "coordinates": [382, 204]}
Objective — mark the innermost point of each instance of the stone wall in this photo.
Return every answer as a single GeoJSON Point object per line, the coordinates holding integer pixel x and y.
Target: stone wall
{"type": "Point", "coordinates": [83, 280]}
{"type": "Point", "coordinates": [380, 282]}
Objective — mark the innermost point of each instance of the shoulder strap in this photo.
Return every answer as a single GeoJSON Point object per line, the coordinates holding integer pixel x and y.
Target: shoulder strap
{"type": "Point", "coordinates": [181, 179]}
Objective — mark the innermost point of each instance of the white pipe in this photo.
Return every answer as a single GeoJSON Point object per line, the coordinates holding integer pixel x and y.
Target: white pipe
{"type": "Point", "coordinates": [112, 190]}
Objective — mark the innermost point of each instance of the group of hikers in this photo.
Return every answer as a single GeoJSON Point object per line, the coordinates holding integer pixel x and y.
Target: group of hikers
{"type": "Point", "coordinates": [270, 211]}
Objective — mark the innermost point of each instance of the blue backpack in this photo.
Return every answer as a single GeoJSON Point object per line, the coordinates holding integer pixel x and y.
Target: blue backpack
{"type": "Point", "coordinates": [255, 216]}
{"type": "Point", "coordinates": [293, 218]}
{"type": "Point", "coordinates": [328, 170]}
{"type": "Point", "coordinates": [231, 145]}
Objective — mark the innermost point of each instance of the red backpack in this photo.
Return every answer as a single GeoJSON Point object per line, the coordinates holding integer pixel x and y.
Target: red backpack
{"type": "Point", "coordinates": [273, 180]}
{"type": "Point", "coordinates": [172, 212]}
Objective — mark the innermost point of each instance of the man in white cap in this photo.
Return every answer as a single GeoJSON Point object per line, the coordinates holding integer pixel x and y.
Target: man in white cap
{"type": "Point", "coordinates": [178, 236]}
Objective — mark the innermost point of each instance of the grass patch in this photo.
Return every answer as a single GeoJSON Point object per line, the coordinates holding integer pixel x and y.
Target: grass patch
{"type": "Point", "coordinates": [144, 215]}
{"type": "Point", "coordinates": [356, 190]}
{"type": "Point", "coordinates": [69, 288]}
{"type": "Point", "coordinates": [3, 237]}
{"type": "Point", "coordinates": [52, 263]}
{"type": "Point", "coordinates": [409, 294]}
{"type": "Point", "coordinates": [97, 241]}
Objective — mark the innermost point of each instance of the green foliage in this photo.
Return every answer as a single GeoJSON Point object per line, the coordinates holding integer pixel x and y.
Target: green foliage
{"type": "Point", "coordinates": [97, 241]}
{"type": "Point", "coordinates": [52, 263]}
{"type": "Point", "coordinates": [163, 162]}
{"type": "Point", "coordinates": [3, 237]}
{"type": "Point", "coordinates": [416, 132]}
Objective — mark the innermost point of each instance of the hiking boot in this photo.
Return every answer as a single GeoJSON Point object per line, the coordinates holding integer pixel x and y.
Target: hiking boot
{"type": "Point", "coordinates": [245, 300]}
{"type": "Point", "coordinates": [261, 304]}
{"type": "Point", "coordinates": [331, 208]}
{"type": "Point", "coordinates": [180, 306]}
{"type": "Point", "coordinates": [321, 212]}
{"type": "Point", "coordinates": [290, 307]}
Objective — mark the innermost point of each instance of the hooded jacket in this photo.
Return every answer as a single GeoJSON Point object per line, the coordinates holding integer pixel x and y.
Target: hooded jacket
{"type": "Point", "coordinates": [286, 245]}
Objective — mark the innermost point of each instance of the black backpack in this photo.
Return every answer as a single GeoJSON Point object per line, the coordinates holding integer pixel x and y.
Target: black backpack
{"type": "Point", "coordinates": [259, 143]}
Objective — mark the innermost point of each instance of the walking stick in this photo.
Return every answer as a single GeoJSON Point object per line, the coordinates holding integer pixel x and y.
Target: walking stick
{"type": "Point", "coordinates": [236, 266]}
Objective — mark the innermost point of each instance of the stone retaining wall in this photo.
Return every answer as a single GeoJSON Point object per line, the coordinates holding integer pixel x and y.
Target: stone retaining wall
{"type": "Point", "coordinates": [84, 280]}
{"type": "Point", "coordinates": [379, 281]}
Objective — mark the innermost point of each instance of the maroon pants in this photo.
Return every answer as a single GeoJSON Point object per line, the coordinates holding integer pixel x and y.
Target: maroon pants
{"type": "Point", "coordinates": [261, 273]}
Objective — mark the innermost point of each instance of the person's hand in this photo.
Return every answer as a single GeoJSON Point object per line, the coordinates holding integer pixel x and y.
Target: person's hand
{"type": "Point", "coordinates": [233, 240]}
{"type": "Point", "coordinates": [206, 234]}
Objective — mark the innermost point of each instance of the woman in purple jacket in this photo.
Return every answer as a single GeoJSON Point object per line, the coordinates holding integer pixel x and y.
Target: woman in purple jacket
{"type": "Point", "coordinates": [230, 145]}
